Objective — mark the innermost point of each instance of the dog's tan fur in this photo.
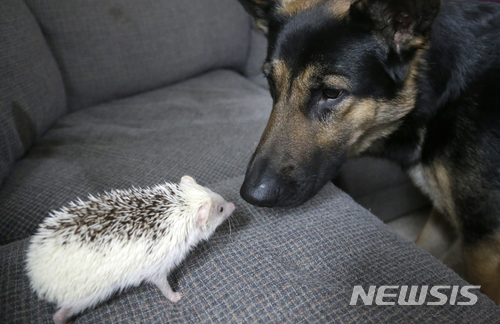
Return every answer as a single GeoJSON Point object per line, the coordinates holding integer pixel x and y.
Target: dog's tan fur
{"type": "Point", "coordinates": [436, 182]}
{"type": "Point", "coordinates": [288, 8]}
{"type": "Point", "coordinates": [293, 7]}
{"type": "Point", "coordinates": [339, 8]}
{"type": "Point", "coordinates": [482, 266]}
{"type": "Point", "coordinates": [282, 117]}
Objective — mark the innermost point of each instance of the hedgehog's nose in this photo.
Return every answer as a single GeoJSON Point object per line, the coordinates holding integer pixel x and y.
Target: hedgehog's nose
{"type": "Point", "coordinates": [232, 207]}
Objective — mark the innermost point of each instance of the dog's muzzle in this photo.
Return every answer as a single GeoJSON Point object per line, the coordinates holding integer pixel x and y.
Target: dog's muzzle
{"type": "Point", "coordinates": [264, 186]}
{"type": "Point", "coordinates": [291, 185]}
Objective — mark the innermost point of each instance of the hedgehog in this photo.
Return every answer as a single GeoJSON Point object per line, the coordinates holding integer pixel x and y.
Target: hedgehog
{"type": "Point", "coordinates": [88, 250]}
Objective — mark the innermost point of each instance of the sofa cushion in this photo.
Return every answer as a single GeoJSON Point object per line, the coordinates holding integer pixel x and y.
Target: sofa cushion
{"type": "Point", "coordinates": [109, 49]}
{"type": "Point", "coordinates": [274, 265]}
{"type": "Point", "coordinates": [206, 127]}
{"type": "Point", "coordinates": [31, 90]}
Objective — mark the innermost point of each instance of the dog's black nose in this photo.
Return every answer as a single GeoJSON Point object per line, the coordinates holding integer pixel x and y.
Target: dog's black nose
{"type": "Point", "coordinates": [260, 192]}
{"type": "Point", "coordinates": [262, 184]}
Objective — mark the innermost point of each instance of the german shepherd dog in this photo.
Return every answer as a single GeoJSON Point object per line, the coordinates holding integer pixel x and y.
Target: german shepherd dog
{"type": "Point", "coordinates": [413, 81]}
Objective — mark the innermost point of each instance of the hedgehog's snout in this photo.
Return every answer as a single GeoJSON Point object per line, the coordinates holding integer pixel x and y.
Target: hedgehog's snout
{"type": "Point", "coordinates": [231, 207]}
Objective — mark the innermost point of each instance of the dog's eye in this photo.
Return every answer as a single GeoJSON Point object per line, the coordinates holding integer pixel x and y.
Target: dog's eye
{"type": "Point", "coordinates": [325, 101]}
{"type": "Point", "coordinates": [332, 93]}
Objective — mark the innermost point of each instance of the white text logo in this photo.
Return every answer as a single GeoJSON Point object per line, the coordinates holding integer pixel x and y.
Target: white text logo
{"type": "Point", "coordinates": [412, 296]}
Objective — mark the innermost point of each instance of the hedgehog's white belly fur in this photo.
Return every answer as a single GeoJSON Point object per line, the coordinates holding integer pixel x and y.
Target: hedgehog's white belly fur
{"type": "Point", "coordinates": [96, 273]}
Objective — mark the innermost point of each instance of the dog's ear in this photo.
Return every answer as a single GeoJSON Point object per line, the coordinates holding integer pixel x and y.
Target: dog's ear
{"type": "Point", "coordinates": [404, 25]}
{"type": "Point", "coordinates": [259, 9]}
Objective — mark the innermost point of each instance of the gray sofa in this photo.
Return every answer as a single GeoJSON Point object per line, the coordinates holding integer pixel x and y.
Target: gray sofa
{"type": "Point", "coordinates": [105, 94]}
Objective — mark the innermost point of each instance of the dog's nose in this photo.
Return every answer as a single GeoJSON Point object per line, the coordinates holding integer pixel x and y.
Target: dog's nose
{"type": "Point", "coordinates": [262, 185]}
{"type": "Point", "coordinates": [260, 192]}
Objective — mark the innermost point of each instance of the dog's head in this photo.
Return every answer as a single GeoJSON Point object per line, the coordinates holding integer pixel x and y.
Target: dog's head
{"type": "Point", "coordinates": [342, 75]}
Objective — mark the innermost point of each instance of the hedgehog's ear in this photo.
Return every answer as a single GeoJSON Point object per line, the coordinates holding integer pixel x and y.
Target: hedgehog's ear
{"type": "Point", "coordinates": [187, 180]}
{"type": "Point", "coordinates": [259, 9]}
{"type": "Point", "coordinates": [203, 213]}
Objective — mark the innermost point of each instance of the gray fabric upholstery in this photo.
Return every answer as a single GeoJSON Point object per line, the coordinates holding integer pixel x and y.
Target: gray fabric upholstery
{"type": "Point", "coordinates": [381, 187]}
{"type": "Point", "coordinates": [31, 90]}
{"type": "Point", "coordinates": [206, 127]}
{"type": "Point", "coordinates": [274, 265]}
{"type": "Point", "coordinates": [108, 49]}
{"type": "Point", "coordinates": [256, 57]}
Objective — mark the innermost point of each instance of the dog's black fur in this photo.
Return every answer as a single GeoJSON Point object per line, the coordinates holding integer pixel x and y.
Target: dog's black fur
{"type": "Point", "coordinates": [438, 60]}
{"type": "Point", "coordinates": [459, 106]}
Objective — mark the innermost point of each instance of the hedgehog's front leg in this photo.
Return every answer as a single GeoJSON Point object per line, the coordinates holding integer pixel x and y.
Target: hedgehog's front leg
{"type": "Point", "coordinates": [62, 315]}
{"type": "Point", "coordinates": [162, 283]}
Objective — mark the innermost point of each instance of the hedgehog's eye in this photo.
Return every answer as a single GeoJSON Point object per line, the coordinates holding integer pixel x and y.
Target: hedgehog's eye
{"type": "Point", "coordinates": [221, 209]}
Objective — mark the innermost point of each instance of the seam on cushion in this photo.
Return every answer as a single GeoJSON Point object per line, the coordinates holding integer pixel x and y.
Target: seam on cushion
{"type": "Point", "coordinates": [52, 52]}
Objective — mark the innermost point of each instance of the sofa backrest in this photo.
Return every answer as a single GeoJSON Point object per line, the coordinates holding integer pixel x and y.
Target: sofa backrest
{"type": "Point", "coordinates": [31, 89]}
{"type": "Point", "coordinates": [108, 49]}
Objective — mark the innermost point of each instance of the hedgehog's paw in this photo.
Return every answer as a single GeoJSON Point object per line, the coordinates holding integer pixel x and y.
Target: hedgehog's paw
{"type": "Point", "coordinates": [166, 290]}
{"type": "Point", "coordinates": [175, 297]}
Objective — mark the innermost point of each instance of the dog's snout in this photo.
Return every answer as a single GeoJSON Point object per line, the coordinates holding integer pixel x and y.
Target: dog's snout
{"type": "Point", "coordinates": [264, 194]}
{"type": "Point", "coordinates": [261, 186]}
